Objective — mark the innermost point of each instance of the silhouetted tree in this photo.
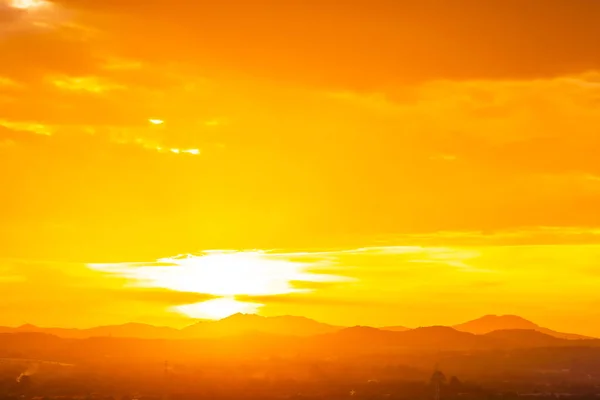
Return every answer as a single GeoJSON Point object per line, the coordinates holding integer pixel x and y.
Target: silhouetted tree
{"type": "Point", "coordinates": [455, 384]}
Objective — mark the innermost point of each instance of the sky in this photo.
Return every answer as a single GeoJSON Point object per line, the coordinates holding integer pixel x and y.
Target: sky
{"type": "Point", "coordinates": [380, 162]}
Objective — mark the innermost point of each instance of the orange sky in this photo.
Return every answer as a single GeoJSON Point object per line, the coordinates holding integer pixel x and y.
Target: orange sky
{"type": "Point", "coordinates": [379, 162]}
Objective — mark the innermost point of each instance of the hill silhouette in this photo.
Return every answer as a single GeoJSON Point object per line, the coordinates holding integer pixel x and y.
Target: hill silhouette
{"type": "Point", "coordinates": [490, 323]}
{"type": "Point", "coordinates": [293, 326]}
{"type": "Point", "coordinates": [527, 338]}
{"type": "Point", "coordinates": [432, 338]}
{"type": "Point", "coordinates": [238, 324]}
{"type": "Point", "coordinates": [349, 341]}
{"type": "Point", "coordinates": [234, 325]}
{"type": "Point", "coordinates": [133, 330]}
{"type": "Point", "coordinates": [395, 328]}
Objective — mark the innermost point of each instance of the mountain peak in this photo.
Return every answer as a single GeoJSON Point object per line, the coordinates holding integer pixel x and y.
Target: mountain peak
{"type": "Point", "coordinates": [505, 317]}
{"type": "Point", "coordinates": [28, 327]}
{"type": "Point", "coordinates": [490, 323]}
{"type": "Point", "coordinates": [239, 323]}
{"type": "Point", "coordinates": [242, 317]}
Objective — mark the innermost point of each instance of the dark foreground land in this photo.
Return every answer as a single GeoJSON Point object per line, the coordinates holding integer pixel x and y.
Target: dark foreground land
{"type": "Point", "coordinates": [353, 363]}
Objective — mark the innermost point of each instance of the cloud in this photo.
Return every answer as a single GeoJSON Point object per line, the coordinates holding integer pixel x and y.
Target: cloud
{"type": "Point", "coordinates": [360, 132]}
{"type": "Point", "coordinates": [257, 273]}
{"type": "Point", "coordinates": [309, 300]}
{"type": "Point", "coordinates": [525, 236]}
{"type": "Point", "coordinates": [85, 84]}
{"type": "Point", "coordinates": [161, 297]}
{"type": "Point", "coordinates": [51, 293]}
{"type": "Point", "coordinates": [340, 157]}
{"type": "Point", "coordinates": [369, 44]}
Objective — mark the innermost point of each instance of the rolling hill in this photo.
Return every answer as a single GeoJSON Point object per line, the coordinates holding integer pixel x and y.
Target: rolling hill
{"type": "Point", "coordinates": [247, 323]}
{"type": "Point", "coordinates": [490, 323]}
{"type": "Point", "coordinates": [243, 324]}
{"type": "Point", "coordinates": [234, 325]}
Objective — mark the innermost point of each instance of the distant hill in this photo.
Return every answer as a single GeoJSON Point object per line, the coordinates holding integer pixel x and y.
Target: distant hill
{"type": "Point", "coordinates": [395, 328]}
{"type": "Point", "coordinates": [130, 330]}
{"type": "Point", "coordinates": [234, 325]}
{"type": "Point", "coordinates": [432, 338]}
{"type": "Point", "coordinates": [249, 323]}
{"type": "Point", "coordinates": [444, 338]}
{"type": "Point", "coordinates": [348, 341]}
{"type": "Point", "coordinates": [243, 324]}
{"type": "Point", "coordinates": [527, 338]}
{"type": "Point", "coordinates": [490, 323]}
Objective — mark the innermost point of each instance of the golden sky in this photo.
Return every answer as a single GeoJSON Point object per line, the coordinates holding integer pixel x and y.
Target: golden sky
{"type": "Point", "coordinates": [408, 162]}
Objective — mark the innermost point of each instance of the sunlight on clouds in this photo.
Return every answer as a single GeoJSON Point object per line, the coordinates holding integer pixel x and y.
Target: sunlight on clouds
{"type": "Point", "coordinates": [499, 111]}
{"type": "Point", "coordinates": [158, 149]}
{"type": "Point", "coordinates": [29, 4]}
{"type": "Point", "coordinates": [265, 275]}
{"type": "Point", "coordinates": [456, 258]}
{"type": "Point", "coordinates": [7, 82]}
{"type": "Point", "coordinates": [43, 15]}
{"type": "Point", "coordinates": [85, 84]}
{"type": "Point", "coordinates": [473, 279]}
{"type": "Point", "coordinates": [221, 273]}
{"type": "Point", "coordinates": [193, 152]}
{"type": "Point", "coordinates": [33, 127]}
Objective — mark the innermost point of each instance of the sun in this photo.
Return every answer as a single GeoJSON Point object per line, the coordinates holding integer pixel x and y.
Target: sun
{"type": "Point", "coordinates": [28, 4]}
{"type": "Point", "coordinates": [225, 275]}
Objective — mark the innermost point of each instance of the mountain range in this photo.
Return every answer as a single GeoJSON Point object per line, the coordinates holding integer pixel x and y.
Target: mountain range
{"type": "Point", "coordinates": [234, 325]}
{"type": "Point", "coordinates": [241, 324]}
{"type": "Point", "coordinates": [346, 342]}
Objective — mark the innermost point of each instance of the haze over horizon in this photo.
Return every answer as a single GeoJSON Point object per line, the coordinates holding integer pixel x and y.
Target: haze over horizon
{"type": "Point", "coordinates": [367, 163]}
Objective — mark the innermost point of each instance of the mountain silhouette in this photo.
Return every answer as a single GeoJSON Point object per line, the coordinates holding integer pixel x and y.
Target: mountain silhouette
{"type": "Point", "coordinates": [528, 338]}
{"type": "Point", "coordinates": [395, 328]}
{"type": "Point", "coordinates": [234, 325]}
{"type": "Point", "coordinates": [129, 330]}
{"type": "Point", "coordinates": [348, 341]}
{"type": "Point", "coordinates": [244, 324]}
{"type": "Point", "coordinates": [250, 323]}
{"type": "Point", "coordinates": [435, 337]}
{"type": "Point", "coordinates": [490, 323]}
{"type": "Point", "coordinates": [447, 338]}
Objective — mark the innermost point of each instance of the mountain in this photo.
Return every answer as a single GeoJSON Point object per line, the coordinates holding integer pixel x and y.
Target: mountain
{"type": "Point", "coordinates": [432, 338]}
{"type": "Point", "coordinates": [238, 324]}
{"type": "Point", "coordinates": [395, 328]}
{"type": "Point", "coordinates": [243, 324]}
{"type": "Point", "coordinates": [527, 338]}
{"type": "Point", "coordinates": [234, 325]}
{"type": "Point", "coordinates": [130, 330]}
{"type": "Point", "coordinates": [443, 337]}
{"type": "Point", "coordinates": [490, 323]}
{"type": "Point", "coordinates": [356, 341]}
{"type": "Point", "coordinates": [134, 330]}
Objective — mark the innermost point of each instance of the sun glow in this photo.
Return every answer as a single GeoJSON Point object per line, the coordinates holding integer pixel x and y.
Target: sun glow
{"type": "Point", "coordinates": [28, 4]}
{"type": "Point", "coordinates": [218, 308]}
{"type": "Point", "coordinates": [221, 273]}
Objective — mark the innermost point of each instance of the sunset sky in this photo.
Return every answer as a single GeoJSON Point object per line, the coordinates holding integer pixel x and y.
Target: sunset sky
{"type": "Point", "coordinates": [380, 162]}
